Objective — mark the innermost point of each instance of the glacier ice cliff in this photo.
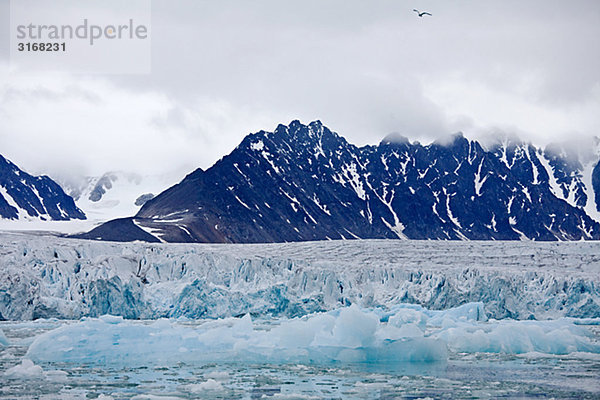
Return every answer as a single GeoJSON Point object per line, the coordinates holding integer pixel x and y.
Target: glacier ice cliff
{"type": "Point", "coordinates": [50, 277]}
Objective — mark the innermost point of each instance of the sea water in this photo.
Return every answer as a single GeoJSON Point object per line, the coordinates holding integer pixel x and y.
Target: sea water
{"type": "Point", "coordinates": [108, 362]}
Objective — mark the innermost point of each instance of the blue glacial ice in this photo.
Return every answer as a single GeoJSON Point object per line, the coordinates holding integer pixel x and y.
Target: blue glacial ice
{"type": "Point", "coordinates": [49, 277]}
{"type": "Point", "coordinates": [347, 335]}
{"type": "Point", "coordinates": [3, 339]}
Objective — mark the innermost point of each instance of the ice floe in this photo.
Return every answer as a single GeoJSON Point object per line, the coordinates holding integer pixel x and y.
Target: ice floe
{"type": "Point", "coordinates": [347, 335]}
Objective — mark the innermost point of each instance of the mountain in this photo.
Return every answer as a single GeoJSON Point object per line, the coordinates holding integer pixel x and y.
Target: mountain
{"type": "Point", "coordinates": [26, 197]}
{"type": "Point", "coordinates": [305, 182]}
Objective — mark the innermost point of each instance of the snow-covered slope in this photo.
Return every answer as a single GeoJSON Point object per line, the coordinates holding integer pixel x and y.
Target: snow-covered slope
{"type": "Point", "coordinates": [112, 195]}
{"type": "Point", "coordinates": [115, 194]}
{"type": "Point", "coordinates": [45, 277]}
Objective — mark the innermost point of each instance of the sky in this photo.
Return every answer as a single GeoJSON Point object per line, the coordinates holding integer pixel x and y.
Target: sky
{"type": "Point", "coordinates": [223, 69]}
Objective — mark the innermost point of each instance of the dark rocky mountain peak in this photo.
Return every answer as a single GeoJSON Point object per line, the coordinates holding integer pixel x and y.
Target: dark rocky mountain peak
{"type": "Point", "coordinates": [306, 182]}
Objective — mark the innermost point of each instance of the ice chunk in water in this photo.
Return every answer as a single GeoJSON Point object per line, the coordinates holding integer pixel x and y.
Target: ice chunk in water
{"type": "Point", "coordinates": [26, 370]}
{"type": "Point", "coordinates": [351, 328]}
{"type": "Point", "coordinates": [218, 375]}
{"type": "Point", "coordinates": [210, 384]}
{"type": "Point", "coordinates": [518, 337]}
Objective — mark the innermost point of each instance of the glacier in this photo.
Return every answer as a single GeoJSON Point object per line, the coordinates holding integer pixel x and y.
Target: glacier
{"type": "Point", "coordinates": [53, 277]}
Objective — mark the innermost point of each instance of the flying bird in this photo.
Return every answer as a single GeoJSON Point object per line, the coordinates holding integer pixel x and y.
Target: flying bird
{"type": "Point", "coordinates": [421, 13]}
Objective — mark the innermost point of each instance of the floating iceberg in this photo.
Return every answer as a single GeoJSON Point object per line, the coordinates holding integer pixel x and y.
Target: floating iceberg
{"type": "Point", "coordinates": [210, 384]}
{"type": "Point", "coordinates": [347, 335]}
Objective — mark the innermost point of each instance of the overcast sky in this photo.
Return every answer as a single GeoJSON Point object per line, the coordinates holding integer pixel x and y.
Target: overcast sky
{"type": "Point", "coordinates": [223, 69]}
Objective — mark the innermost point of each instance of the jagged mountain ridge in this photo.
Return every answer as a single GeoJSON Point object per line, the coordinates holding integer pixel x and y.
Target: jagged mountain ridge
{"type": "Point", "coordinates": [305, 182]}
{"type": "Point", "coordinates": [23, 196]}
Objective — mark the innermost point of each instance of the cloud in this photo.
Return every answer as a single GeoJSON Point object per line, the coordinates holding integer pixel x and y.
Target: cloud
{"type": "Point", "coordinates": [64, 125]}
{"type": "Point", "coordinates": [221, 70]}
{"type": "Point", "coordinates": [481, 110]}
